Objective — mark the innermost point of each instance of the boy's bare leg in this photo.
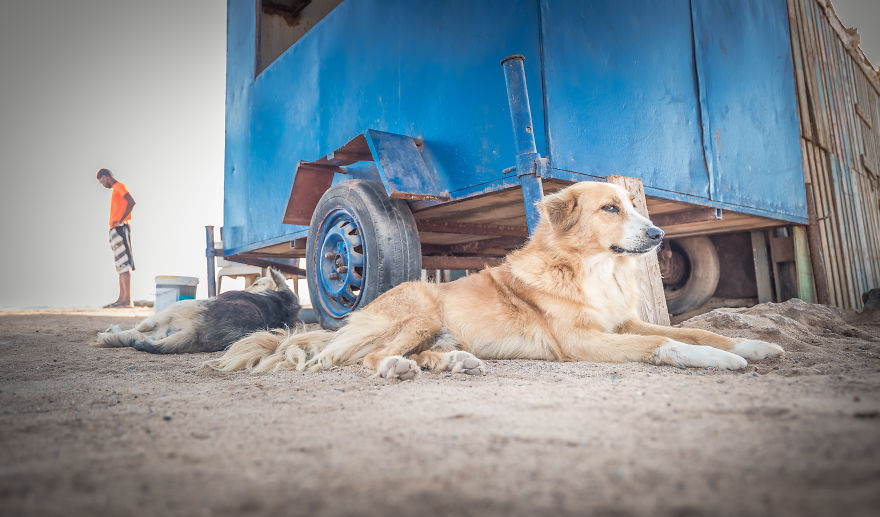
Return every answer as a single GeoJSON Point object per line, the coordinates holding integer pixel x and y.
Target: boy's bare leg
{"type": "Point", "coordinates": [124, 298]}
{"type": "Point", "coordinates": [125, 289]}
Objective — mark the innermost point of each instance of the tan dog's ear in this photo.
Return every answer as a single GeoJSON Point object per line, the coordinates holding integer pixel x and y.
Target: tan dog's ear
{"type": "Point", "coordinates": [560, 209]}
{"type": "Point", "coordinates": [278, 278]}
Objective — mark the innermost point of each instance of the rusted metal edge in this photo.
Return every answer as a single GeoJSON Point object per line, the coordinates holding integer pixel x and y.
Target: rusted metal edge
{"type": "Point", "coordinates": [329, 168]}
{"type": "Point", "coordinates": [356, 150]}
{"type": "Point", "coordinates": [416, 197]}
{"type": "Point", "coordinates": [267, 262]}
{"type": "Point", "coordinates": [308, 187]}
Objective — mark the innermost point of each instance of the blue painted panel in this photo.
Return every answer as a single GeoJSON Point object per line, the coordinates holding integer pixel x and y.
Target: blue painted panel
{"type": "Point", "coordinates": [750, 121]}
{"type": "Point", "coordinates": [618, 94]}
{"type": "Point", "coordinates": [240, 38]}
{"type": "Point", "coordinates": [621, 91]}
{"type": "Point", "coordinates": [422, 69]}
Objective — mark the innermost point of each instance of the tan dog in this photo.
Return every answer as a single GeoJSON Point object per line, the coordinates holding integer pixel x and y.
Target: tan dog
{"type": "Point", "coordinates": [570, 294]}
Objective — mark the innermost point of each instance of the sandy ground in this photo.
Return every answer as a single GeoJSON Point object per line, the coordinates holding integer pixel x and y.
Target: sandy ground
{"type": "Point", "coordinates": [88, 431]}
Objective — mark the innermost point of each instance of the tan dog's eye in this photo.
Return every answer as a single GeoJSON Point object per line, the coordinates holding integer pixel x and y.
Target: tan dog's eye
{"type": "Point", "coordinates": [614, 209]}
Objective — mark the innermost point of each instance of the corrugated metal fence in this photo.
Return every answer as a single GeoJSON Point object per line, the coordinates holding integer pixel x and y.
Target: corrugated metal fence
{"type": "Point", "coordinates": [839, 103]}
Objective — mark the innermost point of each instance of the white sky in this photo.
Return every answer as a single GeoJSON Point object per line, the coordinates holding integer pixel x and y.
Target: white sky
{"type": "Point", "coordinates": [137, 87]}
{"type": "Point", "coordinates": [864, 14]}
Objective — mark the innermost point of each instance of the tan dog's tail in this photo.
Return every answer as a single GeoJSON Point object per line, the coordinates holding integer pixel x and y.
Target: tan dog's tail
{"type": "Point", "coordinates": [271, 350]}
{"type": "Point", "coordinates": [365, 332]}
{"type": "Point", "coordinates": [283, 349]}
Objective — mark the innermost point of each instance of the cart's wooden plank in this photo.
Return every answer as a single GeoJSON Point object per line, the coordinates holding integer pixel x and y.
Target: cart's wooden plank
{"type": "Point", "coordinates": [657, 206]}
{"type": "Point", "coordinates": [820, 212]}
{"type": "Point", "coordinates": [444, 262]}
{"type": "Point", "coordinates": [813, 73]}
{"type": "Point", "coordinates": [797, 58]}
{"type": "Point", "coordinates": [805, 288]}
{"type": "Point", "coordinates": [686, 216]}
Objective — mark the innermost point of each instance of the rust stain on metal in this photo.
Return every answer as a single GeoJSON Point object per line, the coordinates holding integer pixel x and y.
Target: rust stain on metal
{"type": "Point", "coordinates": [417, 197]}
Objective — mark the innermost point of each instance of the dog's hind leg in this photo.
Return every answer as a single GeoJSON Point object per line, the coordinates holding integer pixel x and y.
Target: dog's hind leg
{"type": "Point", "coordinates": [388, 360]}
{"type": "Point", "coordinates": [114, 339]}
{"type": "Point", "coordinates": [748, 348]}
{"type": "Point", "coordinates": [396, 323]}
{"type": "Point", "coordinates": [182, 342]}
{"type": "Point", "coordinates": [454, 361]}
{"type": "Point", "coordinates": [147, 325]}
{"type": "Point", "coordinates": [445, 356]}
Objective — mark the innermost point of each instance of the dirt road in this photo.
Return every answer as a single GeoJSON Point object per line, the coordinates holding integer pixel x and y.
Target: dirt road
{"type": "Point", "coordinates": [87, 431]}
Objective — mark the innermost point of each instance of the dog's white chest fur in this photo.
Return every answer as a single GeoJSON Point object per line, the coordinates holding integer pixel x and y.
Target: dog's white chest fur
{"type": "Point", "coordinates": [606, 291]}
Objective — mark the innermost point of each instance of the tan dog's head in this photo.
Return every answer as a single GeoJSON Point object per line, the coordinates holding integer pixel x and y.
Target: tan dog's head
{"type": "Point", "coordinates": [263, 283]}
{"type": "Point", "coordinates": [274, 281]}
{"type": "Point", "coordinates": [598, 217]}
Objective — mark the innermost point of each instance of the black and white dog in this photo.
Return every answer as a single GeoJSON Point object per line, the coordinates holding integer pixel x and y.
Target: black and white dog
{"type": "Point", "coordinates": [213, 324]}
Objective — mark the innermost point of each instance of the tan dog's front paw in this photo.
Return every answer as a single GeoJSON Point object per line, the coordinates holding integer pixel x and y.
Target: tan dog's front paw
{"type": "Point", "coordinates": [463, 362]}
{"type": "Point", "coordinates": [397, 367]}
{"type": "Point", "coordinates": [696, 356]}
{"type": "Point", "coordinates": [756, 350]}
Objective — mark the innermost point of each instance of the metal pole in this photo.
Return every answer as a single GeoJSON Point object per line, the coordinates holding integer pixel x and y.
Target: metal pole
{"type": "Point", "coordinates": [210, 254]}
{"type": "Point", "coordinates": [527, 157]}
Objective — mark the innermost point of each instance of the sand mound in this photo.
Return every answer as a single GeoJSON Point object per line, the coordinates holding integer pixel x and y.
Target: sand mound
{"type": "Point", "coordinates": [816, 338]}
{"type": "Point", "coordinates": [793, 324]}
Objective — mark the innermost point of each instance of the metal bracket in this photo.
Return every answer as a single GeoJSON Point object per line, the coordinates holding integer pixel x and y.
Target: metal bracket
{"type": "Point", "coordinates": [398, 160]}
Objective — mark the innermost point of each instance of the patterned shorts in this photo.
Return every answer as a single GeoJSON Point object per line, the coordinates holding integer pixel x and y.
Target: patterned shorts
{"type": "Point", "coordinates": [120, 243]}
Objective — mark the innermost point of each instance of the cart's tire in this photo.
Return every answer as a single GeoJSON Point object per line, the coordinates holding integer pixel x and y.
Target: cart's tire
{"type": "Point", "coordinates": [691, 274]}
{"type": "Point", "coordinates": [361, 243]}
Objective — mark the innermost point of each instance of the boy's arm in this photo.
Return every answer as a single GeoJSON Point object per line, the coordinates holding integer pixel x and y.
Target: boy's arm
{"type": "Point", "coordinates": [129, 204]}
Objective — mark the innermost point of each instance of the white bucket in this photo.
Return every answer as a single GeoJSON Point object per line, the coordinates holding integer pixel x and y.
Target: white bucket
{"type": "Point", "coordinates": [171, 289]}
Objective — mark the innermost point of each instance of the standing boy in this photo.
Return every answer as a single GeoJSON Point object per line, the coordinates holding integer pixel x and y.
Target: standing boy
{"type": "Point", "coordinates": [121, 204]}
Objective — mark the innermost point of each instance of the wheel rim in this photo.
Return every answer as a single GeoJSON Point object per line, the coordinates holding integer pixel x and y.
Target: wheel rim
{"type": "Point", "coordinates": [675, 268]}
{"type": "Point", "coordinates": [340, 263]}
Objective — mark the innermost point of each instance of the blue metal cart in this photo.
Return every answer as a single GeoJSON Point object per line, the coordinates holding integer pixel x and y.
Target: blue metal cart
{"type": "Point", "coordinates": [373, 137]}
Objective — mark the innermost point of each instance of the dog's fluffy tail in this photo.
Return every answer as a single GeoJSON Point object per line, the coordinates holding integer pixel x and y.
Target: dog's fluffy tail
{"type": "Point", "coordinates": [271, 350]}
{"type": "Point", "coordinates": [283, 349]}
{"type": "Point", "coordinates": [365, 332]}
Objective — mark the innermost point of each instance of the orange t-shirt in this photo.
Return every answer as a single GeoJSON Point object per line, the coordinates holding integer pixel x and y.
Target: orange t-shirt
{"type": "Point", "coordinates": [118, 204]}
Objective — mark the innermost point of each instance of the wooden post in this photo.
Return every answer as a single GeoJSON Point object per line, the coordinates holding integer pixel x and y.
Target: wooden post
{"type": "Point", "coordinates": [802, 265]}
{"type": "Point", "coordinates": [762, 266]}
{"type": "Point", "coordinates": [652, 307]}
{"type": "Point", "coordinates": [816, 256]}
